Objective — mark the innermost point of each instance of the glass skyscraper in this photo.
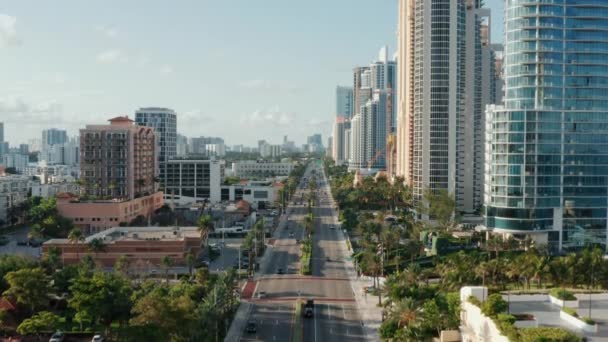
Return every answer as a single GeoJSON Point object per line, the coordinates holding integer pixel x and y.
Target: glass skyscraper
{"type": "Point", "coordinates": [547, 148]}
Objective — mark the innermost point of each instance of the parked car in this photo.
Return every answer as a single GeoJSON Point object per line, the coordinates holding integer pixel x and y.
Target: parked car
{"type": "Point", "coordinates": [57, 337]}
{"type": "Point", "coordinates": [98, 338]}
{"type": "Point", "coordinates": [280, 271]}
{"type": "Point", "coordinates": [261, 294]}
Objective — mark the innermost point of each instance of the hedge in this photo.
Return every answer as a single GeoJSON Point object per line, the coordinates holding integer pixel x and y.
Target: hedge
{"type": "Point", "coordinates": [548, 334]}
{"type": "Point", "coordinates": [562, 294]}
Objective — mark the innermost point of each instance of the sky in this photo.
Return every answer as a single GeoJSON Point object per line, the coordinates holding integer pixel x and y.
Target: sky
{"type": "Point", "coordinates": [243, 70]}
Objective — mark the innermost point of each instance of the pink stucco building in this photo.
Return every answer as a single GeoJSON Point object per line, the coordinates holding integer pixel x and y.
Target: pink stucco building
{"type": "Point", "coordinates": [118, 160]}
{"type": "Point", "coordinates": [119, 172]}
{"type": "Point", "coordinates": [93, 216]}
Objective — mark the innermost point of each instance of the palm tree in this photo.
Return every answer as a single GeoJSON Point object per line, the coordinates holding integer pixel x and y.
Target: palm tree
{"type": "Point", "coordinates": [75, 237]}
{"type": "Point", "coordinates": [190, 262]}
{"type": "Point", "coordinates": [165, 264]}
{"type": "Point", "coordinates": [97, 245]}
{"type": "Point", "coordinates": [205, 226]}
{"type": "Point", "coordinates": [407, 313]}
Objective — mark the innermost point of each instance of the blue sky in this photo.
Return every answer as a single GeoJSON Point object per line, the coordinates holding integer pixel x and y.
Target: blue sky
{"type": "Point", "coordinates": [241, 69]}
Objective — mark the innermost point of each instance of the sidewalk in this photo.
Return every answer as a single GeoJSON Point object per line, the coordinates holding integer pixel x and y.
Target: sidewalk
{"type": "Point", "coordinates": [367, 304]}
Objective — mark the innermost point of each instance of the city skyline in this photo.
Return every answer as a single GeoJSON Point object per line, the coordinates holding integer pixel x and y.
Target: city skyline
{"type": "Point", "coordinates": [102, 75]}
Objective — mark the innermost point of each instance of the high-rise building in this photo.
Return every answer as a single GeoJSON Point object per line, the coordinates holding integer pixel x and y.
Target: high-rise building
{"type": "Point", "coordinates": [339, 148]}
{"type": "Point", "coordinates": [164, 122]}
{"type": "Point", "coordinates": [52, 143]}
{"type": "Point", "coordinates": [499, 80]}
{"type": "Point", "coordinates": [373, 120]}
{"type": "Point", "coordinates": [35, 145]}
{"type": "Point", "coordinates": [24, 149]}
{"type": "Point", "coordinates": [54, 136]}
{"type": "Point", "coordinates": [344, 102]}
{"type": "Point", "coordinates": [3, 146]}
{"type": "Point", "coordinates": [181, 145]}
{"type": "Point", "coordinates": [548, 145]}
{"type": "Point", "coordinates": [440, 97]}
{"type": "Point", "coordinates": [118, 160]}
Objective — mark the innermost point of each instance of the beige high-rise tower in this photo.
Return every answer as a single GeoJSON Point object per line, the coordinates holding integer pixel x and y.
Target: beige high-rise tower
{"type": "Point", "coordinates": [405, 103]}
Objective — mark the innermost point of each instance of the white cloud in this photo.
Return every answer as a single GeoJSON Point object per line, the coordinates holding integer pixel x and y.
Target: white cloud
{"type": "Point", "coordinates": [263, 84]}
{"type": "Point", "coordinates": [166, 70]}
{"type": "Point", "coordinates": [112, 56]}
{"type": "Point", "coordinates": [20, 111]}
{"type": "Point", "coordinates": [109, 32]}
{"type": "Point", "coordinates": [273, 116]}
{"type": "Point", "coordinates": [8, 33]}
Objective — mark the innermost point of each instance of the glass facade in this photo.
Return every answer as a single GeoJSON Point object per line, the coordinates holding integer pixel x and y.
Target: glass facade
{"type": "Point", "coordinates": [548, 146]}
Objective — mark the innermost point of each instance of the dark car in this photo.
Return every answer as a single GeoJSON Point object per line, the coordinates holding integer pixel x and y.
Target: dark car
{"type": "Point", "coordinates": [252, 327]}
{"type": "Point", "coordinates": [280, 271]}
{"type": "Point", "coordinates": [308, 308]}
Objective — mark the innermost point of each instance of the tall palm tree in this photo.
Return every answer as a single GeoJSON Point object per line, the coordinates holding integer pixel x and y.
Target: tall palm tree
{"type": "Point", "coordinates": [407, 313]}
{"type": "Point", "coordinates": [165, 264]}
{"type": "Point", "coordinates": [205, 226]}
{"type": "Point", "coordinates": [96, 246]}
{"type": "Point", "coordinates": [190, 262]}
{"type": "Point", "coordinates": [76, 237]}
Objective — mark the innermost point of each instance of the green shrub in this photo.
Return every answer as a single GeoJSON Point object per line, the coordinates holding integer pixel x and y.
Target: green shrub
{"type": "Point", "coordinates": [570, 311]}
{"type": "Point", "coordinates": [473, 300]}
{"type": "Point", "coordinates": [588, 320]}
{"type": "Point", "coordinates": [506, 318]}
{"type": "Point", "coordinates": [504, 323]}
{"type": "Point", "coordinates": [494, 305]}
{"type": "Point", "coordinates": [562, 294]}
{"type": "Point", "coordinates": [388, 329]}
{"type": "Point", "coordinates": [547, 334]}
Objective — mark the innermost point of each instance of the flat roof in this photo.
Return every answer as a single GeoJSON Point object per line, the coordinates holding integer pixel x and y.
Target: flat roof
{"type": "Point", "coordinates": [138, 234]}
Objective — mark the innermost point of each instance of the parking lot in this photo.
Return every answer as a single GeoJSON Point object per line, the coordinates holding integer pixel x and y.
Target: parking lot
{"type": "Point", "coordinates": [16, 245]}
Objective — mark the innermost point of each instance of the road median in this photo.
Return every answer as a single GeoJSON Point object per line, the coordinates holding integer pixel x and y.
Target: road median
{"type": "Point", "coordinates": [298, 327]}
{"type": "Point", "coordinates": [306, 257]}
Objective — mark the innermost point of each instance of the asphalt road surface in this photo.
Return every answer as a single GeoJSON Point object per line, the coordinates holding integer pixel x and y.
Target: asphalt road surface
{"type": "Point", "coordinates": [335, 314]}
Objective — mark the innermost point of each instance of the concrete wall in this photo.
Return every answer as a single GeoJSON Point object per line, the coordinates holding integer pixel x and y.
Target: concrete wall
{"type": "Point", "coordinates": [475, 326]}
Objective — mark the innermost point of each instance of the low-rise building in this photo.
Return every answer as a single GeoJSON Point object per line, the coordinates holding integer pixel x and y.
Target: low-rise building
{"type": "Point", "coordinates": [44, 171]}
{"type": "Point", "coordinates": [143, 246]}
{"type": "Point", "coordinates": [53, 189]}
{"type": "Point", "coordinates": [14, 190]}
{"type": "Point", "coordinates": [253, 168]}
{"type": "Point", "coordinates": [93, 216]}
{"type": "Point", "coordinates": [254, 192]}
{"type": "Point", "coordinates": [193, 180]}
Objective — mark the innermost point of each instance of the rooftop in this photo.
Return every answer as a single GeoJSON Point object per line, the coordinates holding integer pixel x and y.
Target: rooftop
{"type": "Point", "coordinates": [120, 119]}
{"type": "Point", "coordinates": [138, 234]}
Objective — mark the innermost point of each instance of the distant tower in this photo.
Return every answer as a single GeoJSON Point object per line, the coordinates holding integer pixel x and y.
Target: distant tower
{"type": "Point", "coordinates": [164, 122]}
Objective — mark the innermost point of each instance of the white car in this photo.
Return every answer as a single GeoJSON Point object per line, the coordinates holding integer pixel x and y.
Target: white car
{"type": "Point", "coordinates": [97, 338]}
{"type": "Point", "coordinates": [57, 337]}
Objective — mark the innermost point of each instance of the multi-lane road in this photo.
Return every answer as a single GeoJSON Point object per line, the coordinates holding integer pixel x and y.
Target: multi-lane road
{"type": "Point", "coordinates": [274, 302]}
